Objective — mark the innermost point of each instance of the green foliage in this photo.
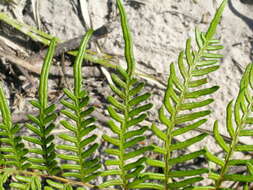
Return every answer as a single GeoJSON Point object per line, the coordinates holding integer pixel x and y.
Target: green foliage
{"type": "Point", "coordinates": [73, 164]}
{"type": "Point", "coordinates": [238, 121]}
{"type": "Point", "coordinates": [44, 155]}
{"type": "Point", "coordinates": [79, 143]}
{"type": "Point", "coordinates": [26, 183]}
{"type": "Point", "coordinates": [180, 100]}
{"type": "Point", "coordinates": [128, 109]}
{"type": "Point", "coordinates": [13, 151]}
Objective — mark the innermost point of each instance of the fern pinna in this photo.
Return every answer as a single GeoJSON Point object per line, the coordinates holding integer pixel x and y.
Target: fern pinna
{"type": "Point", "coordinates": [44, 158]}
{"type": "Point", "coordinates": [128, 110]}
{"type": "Point", "coordinates": [184, 94]}
{"type": "Point", "coordinates": [79, 143]}
{"type": "Point", "coordinates": [239, 122]}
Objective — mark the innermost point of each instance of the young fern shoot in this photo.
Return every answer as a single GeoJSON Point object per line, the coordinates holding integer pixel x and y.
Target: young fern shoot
{"type": "Point", "coordinates": [128, 109]}
{"type": "Point", "coordinates": [79, 142]}
{"type": "Point", "coordinates": [181, 98]}
{"type": "Point", "coordinates": [238, 121]}
{"type": "Point", "coordinates": [44, 154]}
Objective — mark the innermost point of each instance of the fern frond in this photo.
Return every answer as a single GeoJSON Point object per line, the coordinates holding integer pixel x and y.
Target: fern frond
{"type": "Point", "coordinates": [26, 183]}
{"type": "Point", "coordinates": [184, 94]}
{"type": "Point", "coordinates": [4, 176]}
{"type": "Point", "coordinates": [13, 151]}
{"type": "Point", "coordinates": [44, 150]}
{"type": "Point", "coordinates": [128, 109]}
{"type": "Point", "coordinates": [238, 120]}
{"type": "Point", "coordinates": [79, 142]}
{"type": "Point", "coordinates": [54, 185]}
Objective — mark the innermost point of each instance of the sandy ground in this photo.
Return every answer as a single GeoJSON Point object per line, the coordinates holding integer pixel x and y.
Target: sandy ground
{"type": "Point", "coordinates": [160, 29]}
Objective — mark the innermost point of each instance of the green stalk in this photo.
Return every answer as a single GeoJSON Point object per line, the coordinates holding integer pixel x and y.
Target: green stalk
{"type": "Point", "coordinates": [79, 139]}
{"type": "Point", "coordinates": [122, 135]}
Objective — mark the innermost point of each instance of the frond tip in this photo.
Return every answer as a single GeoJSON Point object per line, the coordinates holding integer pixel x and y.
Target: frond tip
{"type": "Point", "coordinates": [129, 55]}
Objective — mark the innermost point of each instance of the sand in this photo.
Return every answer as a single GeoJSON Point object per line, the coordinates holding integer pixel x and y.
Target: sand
{"type": "Point", "coordinates": [159, 29]}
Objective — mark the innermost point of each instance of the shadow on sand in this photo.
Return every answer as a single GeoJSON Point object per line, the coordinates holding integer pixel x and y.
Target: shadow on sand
{"type": "Point", "coordinates": [246, 19]}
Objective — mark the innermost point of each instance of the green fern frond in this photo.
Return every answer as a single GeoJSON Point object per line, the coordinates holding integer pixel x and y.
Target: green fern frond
{"type": "Point", "coordinates": [128, 109]}
{"type": "Point", "coordinates": [52, 185]}
{"type": "Point", "coordinates": [238, 120]}
{"type": "Point", "coordinates": [183, 95]}
{"type": "Point", "coordinates": [79, 143]}
{"type": "Point", "coordinates": [44, 152]}
{"type": "Point", "coordinates": [26, 183]}
{"type": "Point", "coordinates": [13, 151]}
{"type": "Point", "coordinates": [4, 176]}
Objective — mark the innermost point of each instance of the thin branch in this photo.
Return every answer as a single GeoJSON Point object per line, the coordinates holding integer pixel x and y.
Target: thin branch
{"type": "Point", "coordinates": [54, 71]}
{"type": "Point", "coordinates": [61, 179]}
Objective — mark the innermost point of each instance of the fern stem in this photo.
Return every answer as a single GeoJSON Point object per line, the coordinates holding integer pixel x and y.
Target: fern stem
{"type": "Point", "coordinates": [225, 168]}
{"type": "Point", "coordinates": [234, 142]}
{"type": "Point", "coordinates": [79, 139]}
{"type": "Point", "coordinates": [122, 135]}
{"type": "Point", "coordinates": [44, 146]}
{"type": "Point", "coordinates": [122, 152]}
{"type": "Point", "coordinates": [168, 154]}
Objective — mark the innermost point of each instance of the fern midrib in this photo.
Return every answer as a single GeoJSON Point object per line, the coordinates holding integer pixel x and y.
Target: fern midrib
{"type": "Point", "coordinates": [122, 135]}
{"type": "Point", "coordinates": [232, 146]}
{"type": "Point", "coordinates": [168, 143]}
{"type": "Point", "coordinates": [43, 138]}
{"type": "Point", "coordinates": [79, 139]}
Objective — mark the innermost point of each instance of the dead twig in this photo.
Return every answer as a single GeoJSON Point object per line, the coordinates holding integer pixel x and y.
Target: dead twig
{"type": "Point", "coordinates": [54, 71]}
{"type": "Point", "coordinates": [20, 62]}
{"type": "Point", "coordinates": [63, 70]}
